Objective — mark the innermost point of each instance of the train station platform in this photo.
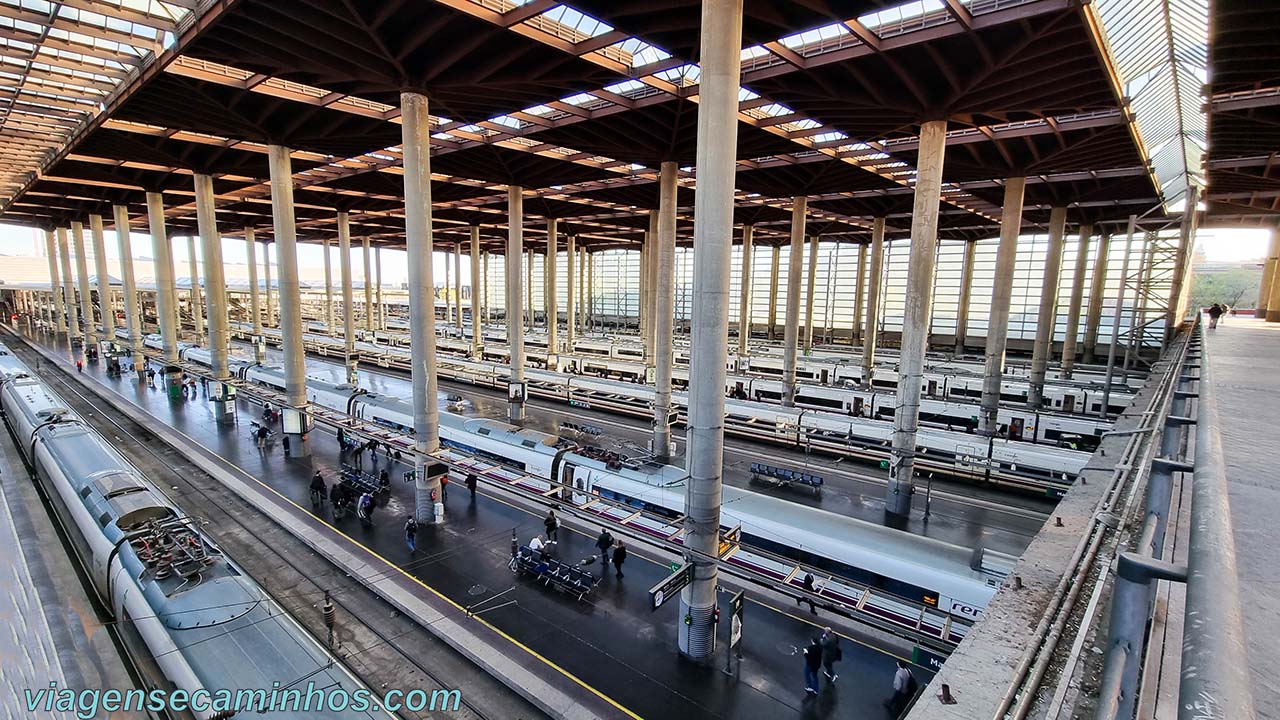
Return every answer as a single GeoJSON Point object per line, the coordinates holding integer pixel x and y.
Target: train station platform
{"type": "Point", "coordinates": [607, 649]}
{"type": "Point", "coordinates": [53, 631]}
{"type": "Point", "coordinates": [1242, 359]}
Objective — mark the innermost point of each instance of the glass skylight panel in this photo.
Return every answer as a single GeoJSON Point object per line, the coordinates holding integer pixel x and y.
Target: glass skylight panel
{"type": "Point", "coordinates": [682, 75]}
{"type": "Point", "coordinates": [625, 87]}
{"type": "Point", "coordinates": [578, 22]}
{"type": "Point", "coordinates": [745, 94]}
{"type": "Point", "coordinates": [579, 99]}
{"type": "Point", "coordinates": [538, 110]}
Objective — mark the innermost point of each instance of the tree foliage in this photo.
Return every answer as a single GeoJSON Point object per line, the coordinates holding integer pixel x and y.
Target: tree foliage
{"type": "Point", "coordinates": [1237, 287]}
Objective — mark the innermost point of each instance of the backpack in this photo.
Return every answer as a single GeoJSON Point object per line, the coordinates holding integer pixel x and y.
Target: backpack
{"type": "Point", "coordinates": [912, 685]}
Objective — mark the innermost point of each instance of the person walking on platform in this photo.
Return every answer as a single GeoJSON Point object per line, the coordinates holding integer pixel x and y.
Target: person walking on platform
{"type": "Point", "coordinates": [318, 490]}
{"type": "Point", "coordinates": [603, 543]}
{"type": "Point", "coordinates": [471, 484]}
{"type": "Point", "coordinates": [808, 585]}
{"type": "Point", "coordinates": [411, 534]}
{"type": "Point", "coordinates": [357, 455]}
{"type": "Point", "coordinates": [444, 487]}
{"type": "Point", "coordinates": [151, 377]}
{"type": "Point", "coordinates": [831, 653]}
{"type": "Point", "coordinates": [337, 500]}
{"type": "Point", "coordinates": [619, 557]}
{"type": "Point", "coordinates": [263, 432]}
{"type": "Point", "coordinates": [1215, 312]}
{"type": "Point", "coordinates": [552, 523]}
{"type": "Point", "coordinates": [364, 509]}
{"type": "Point", "coordinates": [812, 661]}
{"type": "Point", "coordinates": [904, 686]}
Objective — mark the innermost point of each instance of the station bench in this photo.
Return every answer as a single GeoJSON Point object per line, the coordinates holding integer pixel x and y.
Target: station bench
{"type": "Point", "coordinates": [562, 576]}
{"type": "Point", "coordinates": [360, 481]}
{"type": "Point", "coordinates": [782, 477]}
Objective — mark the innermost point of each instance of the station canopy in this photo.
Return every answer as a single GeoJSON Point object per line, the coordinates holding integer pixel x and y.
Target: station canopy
{"type": "Point", "coordinates": [1110, 108]}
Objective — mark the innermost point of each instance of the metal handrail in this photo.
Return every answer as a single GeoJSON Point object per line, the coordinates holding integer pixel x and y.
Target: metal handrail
{"type": "Point", "coordinates": [1215, 679]}
{"type": "Point", "coordinates": [1215, 682]}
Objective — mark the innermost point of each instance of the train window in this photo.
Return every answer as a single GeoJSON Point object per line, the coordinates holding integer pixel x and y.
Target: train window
{"type": "Point", "coordinates": [821, 402]}
{"type": "Point", "coordinates": [1097, 407]}
{"type": "Point", "coordinates": [84, 491]}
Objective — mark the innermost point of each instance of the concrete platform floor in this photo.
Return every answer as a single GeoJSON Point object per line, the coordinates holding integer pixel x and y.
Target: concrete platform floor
{"type": "Point", "coordinates": [610, 640]}
{"type": "Point", "coordinates": [1242, 359]}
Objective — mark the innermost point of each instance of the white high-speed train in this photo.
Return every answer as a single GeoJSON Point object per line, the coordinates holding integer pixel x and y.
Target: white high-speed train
{"type": "Point", "coordinates": [1021, 424]}
{"type": "Point", "coordinates": [190, 618]}
{"type": "Point", "coordinates": [1040, 469]}
{"type": "Point", "coordinates": [942, 381]}
{"type": "Point", "coordinates": [916, 568]}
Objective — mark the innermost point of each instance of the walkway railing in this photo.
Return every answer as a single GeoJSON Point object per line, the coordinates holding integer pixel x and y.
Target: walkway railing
{"type": "Point", "coordinates": [1214, 683]}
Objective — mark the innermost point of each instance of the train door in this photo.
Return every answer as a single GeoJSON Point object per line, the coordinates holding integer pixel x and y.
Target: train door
{"type": "Point", "coordinates": [569, 482]}
{"type": "Point", "coordinates": [857, 406]}
{"type": "Point", "coordinates": [739, 391]}
{"type": "Point", "coordinates": [933, 388]}
{"type": "Point", "coordinates": [1015, 428]}
{"type": "Point", "coordinates": [1068, 403]}
{"type": "Point", "coordinates": [826, 376]}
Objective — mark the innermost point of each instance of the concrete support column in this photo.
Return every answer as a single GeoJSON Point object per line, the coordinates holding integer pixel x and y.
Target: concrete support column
{"type": "Point", "coordinates": [664, 301]}
{"type": "Point", "coordinates": [132, 306]}
{"type": "Point", "coordinates": [251, 250]}
{"type": "Point", "coordinates": [328, 289]}
{"type": "Point", "coordinates": [82, 281]}
{"type": "Point", "coordinates": [477, 323]}
{"type": "Point", "coordinates": [915, 331]}
{"type": "Point", "coordinates": [266, 269]}
{"type": "Point", "coordinates": [1097, 293]}
{"type": "Point", "coordinates": [549, 291]}
{"type": "Point", "coordinates": [774, 267]}
{"type": "Point", "coordinates": [859, 295]}
{"type": "Point", "coordinates": [966, 291]}
{"type": "Point", "coordinates": [1048, 315]}
{"type": "Point", "coordinates": [487, 309]}
{"type": "Point", "coordinates": [166, 293]}
{"type": "Point", "coordinates": [416, 136]}
{"type": "Point", "coordinates": [588, 292]}
{"type": "Point", "coordinates": [744, 303]}
{"type": "Point", "coordinates": [1180, 292]}
{"type": "Point", "coordinates": [195, 295]}
{"type": "Point", "coordinates": [350, 359]}
{"type": "Point", "coordinates": [811, 279]}
{"type": "Point", "coordinates": [874, 280]}
{"type": "Point", "coordinates": [646, 288]}
{"type": "Point", "coordinates": [1268, 272]}
{"type": "Point", "coordinates": [215, 295]}
{"type": "Point", "coordinates": [791, 333]}
{"type": "Point", "coordinates": [291, 325]}
{"type": "Point", "coordinates": [457, 284]}
{"type": "Point", "coordinates": [528, 285]}
{"type": "Point", "coordinates": [1077, 301]}
{"type": "Point", "coordinates": [368, 287]}
{"type": "Point", "coordinates": [104, 279]}
{"type": "Point", "coordinates": [713, 244]}
{"type": "Point", "coordinates": [1002, 294]}
{"type": "Point", "coordinates": [59, 308]}
{"type": "Point", "coordinates": [381, 322]}
{"type": "Point", "coordinates": [1273, 302]}
{"type": "Point", "coordinates": [69, 289]}
{"type": "Point", "coordinates": [515, 299]}
{"type": "Point", "coordinates": [571, 306]}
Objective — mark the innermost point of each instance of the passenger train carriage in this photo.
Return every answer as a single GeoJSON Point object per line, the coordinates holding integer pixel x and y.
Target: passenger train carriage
{"type": "Point", "coordinates": [190, 618]}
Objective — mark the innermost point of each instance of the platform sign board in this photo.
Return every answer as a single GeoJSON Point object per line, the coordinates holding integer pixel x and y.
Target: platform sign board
{"type": "Point", "coordinates": [927, 658]}
{"type": "Point", "coordinates": [670, 587]}
{"type": "Point", "coordinates": [735, 619]}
